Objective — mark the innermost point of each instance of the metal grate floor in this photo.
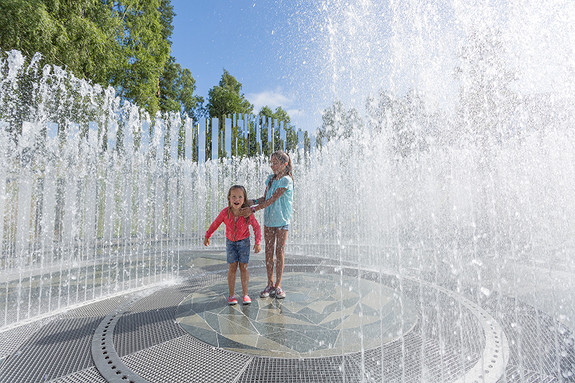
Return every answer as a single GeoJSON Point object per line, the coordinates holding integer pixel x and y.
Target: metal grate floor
{"type": "Point", "coordinates": [138, 338]}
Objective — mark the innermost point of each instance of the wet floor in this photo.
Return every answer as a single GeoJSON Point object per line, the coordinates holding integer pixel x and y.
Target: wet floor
{"type": "Point", "coordinates": [322, 315]}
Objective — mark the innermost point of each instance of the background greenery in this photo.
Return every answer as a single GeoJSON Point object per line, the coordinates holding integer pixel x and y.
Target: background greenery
{"type": "Point", "coordinates": [125, 44]}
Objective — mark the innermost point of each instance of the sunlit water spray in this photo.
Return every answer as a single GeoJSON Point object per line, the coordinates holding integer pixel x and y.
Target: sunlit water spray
{"type": "Point", "coordinates": [460, 170]}
{"type": "Point", "coordinates": [453, 181]}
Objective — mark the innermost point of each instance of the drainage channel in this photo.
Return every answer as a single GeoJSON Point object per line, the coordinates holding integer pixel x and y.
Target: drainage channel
{"type": "Point", "coordinates": [104, 354]}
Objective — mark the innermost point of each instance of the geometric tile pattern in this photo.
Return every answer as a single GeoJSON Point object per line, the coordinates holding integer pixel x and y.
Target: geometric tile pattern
{"type": "Point", "coordinates": [322, 315]}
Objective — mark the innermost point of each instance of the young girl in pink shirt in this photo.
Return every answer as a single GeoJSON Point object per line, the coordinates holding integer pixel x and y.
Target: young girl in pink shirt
{"type": "Point", "coordinates": [237, 240]}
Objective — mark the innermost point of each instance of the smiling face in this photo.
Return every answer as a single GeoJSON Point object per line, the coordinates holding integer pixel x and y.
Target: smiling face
{"type": "Point", "coordinates": [277, 165]}
{"type": "Point", "coordinates": [236, 198]}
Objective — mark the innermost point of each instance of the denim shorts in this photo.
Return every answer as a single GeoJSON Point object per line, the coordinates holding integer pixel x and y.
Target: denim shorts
{"type": "Point", "coordinates": [284, 227]}
{"type": "Point", "coordinates": [238, 250]}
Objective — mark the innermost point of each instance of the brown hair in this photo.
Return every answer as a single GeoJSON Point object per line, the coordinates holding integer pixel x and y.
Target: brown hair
{"type": "Point", "coordinates": [245, 204]}
{"type": "Point", "coordinates": [283, 157]}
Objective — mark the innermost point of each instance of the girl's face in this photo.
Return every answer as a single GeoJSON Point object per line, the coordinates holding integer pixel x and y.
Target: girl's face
{"type": "Point", "coordinates": [277, 165]}
{"type": "Point", "coordinates": [236, 198]}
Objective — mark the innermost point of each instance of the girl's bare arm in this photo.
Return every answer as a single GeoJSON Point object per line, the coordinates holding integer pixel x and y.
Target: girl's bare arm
{"type": "Point", "coordinates": [262, 202]}
{"type": "Point", "coordinates": [258, 200]}
{"type": "Point", "coordinates": [267, 202]}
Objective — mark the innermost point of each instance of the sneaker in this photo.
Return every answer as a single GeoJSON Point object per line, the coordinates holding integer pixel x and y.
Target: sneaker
{"type": "Point", "coordinates": [232, 300]}
{"type": "Point", "coordinates": [279, 293]}
{"type": "Point", "coordinates": [267, 291]}
{"type": "Point", "coordinates": [247, 300]}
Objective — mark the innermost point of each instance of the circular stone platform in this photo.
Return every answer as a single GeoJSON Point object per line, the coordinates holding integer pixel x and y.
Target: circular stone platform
{"type": "Point", "coordinates": [318, 318]}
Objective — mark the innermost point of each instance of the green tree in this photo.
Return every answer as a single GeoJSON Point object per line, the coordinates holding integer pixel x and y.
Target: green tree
{"type": "Point", "coordinates": [279, 115]}
{"type": "Point", "coordinates": [337, 122]}
{"type": "Point", "coordinates": [169, 87]}
{"type": "Point", "coordinates": [177, 87]}
{"type": "Point", "coordinates": [225, 99]}
{"type": "Point", "coordinates": [120, 43]}
{"type": "Point", "coordinates": [81, 35]}
{"type": "Point", "coordinates": [145, 51]}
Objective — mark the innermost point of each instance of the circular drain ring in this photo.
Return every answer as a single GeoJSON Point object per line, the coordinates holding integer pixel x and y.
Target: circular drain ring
{"type": "Point", "coordinates": [489, 368]}
{"type": "Point", "coordinates": [104, 354]}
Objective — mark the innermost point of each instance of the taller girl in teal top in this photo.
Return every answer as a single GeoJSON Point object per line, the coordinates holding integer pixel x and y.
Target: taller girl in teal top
{"type": "Point", "coordinates": [277, 202]}
{"type": "Point", "coordinates": [279, 213]}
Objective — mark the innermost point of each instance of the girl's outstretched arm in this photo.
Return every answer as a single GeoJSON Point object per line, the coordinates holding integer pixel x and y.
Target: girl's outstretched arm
{"type": "Point", "coordinates": [247, 211]}
{"type": "Point", "coordinates": [214, 226]}
{"type": "Point", "coordinates": [257, 201]}
{"type": "Point", "coordinates": [277, 194]}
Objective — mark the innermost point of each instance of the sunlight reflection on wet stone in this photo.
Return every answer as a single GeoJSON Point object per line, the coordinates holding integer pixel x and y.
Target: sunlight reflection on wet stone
{"type": "Point", "coordinates": [323, 315]}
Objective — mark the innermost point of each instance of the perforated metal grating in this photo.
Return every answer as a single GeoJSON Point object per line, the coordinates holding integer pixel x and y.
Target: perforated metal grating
{"type": "Point", "coordinates": [89, 375]}
{"type": "Point", "coordinates": [184, 359]}
{"type": "Point", "coordinates": [151, 345]}
{"type": "Point", "coordinates": [150, 321]}
{"type": "Point", "coordinates": [10, 341]}
{"type": "Point", "coordinates": [60, 348]}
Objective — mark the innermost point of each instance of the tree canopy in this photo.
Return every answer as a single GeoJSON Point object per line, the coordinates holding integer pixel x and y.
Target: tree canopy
{"type": "Point", "coordinates": [125, 44]}
{"type": "Point", "coordinates": [338, 122]}
{"type": "Point", "coordinates": [81, 35]}
{"type": "Point", "coordinates": [122, 43]}
{"type": "Point", "coordinates": [227, 97]}
{"type": "Point", "coordinates": [279, 114]}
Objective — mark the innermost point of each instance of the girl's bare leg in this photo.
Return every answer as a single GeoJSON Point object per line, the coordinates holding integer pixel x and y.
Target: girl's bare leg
{"type": "Point", "coordinates": [245, 277]}
{"type": "Point", "coordinates": [269, 238]}
{"type": "Point", "coordinates": [232, 268]}
{"type": "Point", "coordinates": [281, 237]}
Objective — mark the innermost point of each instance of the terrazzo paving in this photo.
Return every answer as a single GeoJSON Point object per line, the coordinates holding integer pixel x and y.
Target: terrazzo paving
{"type": "Point", "coordinates": [318, 317]}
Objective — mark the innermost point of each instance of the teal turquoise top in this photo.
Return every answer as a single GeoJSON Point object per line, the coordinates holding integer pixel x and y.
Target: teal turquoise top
{"type": "Point", "coordinates": [279, 213]}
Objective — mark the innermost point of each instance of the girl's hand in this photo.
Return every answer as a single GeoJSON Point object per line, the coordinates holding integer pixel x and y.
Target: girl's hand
{"type": "Point", "coordinates": [206, 241]}
{"type": "Point", "coordinates": [245, 211]}
{"type": "Point", "coordinates": [257, 248]}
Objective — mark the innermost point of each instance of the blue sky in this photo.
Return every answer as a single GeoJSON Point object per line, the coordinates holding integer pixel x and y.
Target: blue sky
{"type": "Point", "coordinates": [265, 45]}
{"type": "Point", "coordinates": [303, 55]}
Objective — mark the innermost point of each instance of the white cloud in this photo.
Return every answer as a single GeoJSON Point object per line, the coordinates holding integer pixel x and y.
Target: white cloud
{"type": "Point", "coordinates": [269, 98]}
{"type": "Point", "coordinates": [300, 117]}
{"type": "Point", "coordinates": [296, 113]}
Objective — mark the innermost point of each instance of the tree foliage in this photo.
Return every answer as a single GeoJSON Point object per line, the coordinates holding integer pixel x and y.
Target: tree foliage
{"type": "Point", "coordinates": [145, 51]}
{"type": "Point", "coordinates": [337, 122]}
{"type": "Point", "coordinates": [279, 114]}
{"type": "Point", "coordinates": [122, 43]}
{"type": "Point", "coordinates": [227, 98]}
{"type": "Point", "coordinates": [177, 87]}
{"type": "Point", "coordinates": [81, 35]}
{"type": "Point", "coordinates": [282, 118]}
